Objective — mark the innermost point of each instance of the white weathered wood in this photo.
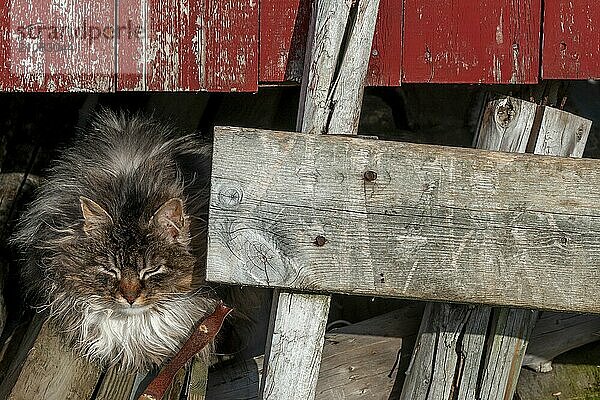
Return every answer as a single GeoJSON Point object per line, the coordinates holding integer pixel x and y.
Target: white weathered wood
{"type": "Point", "coordinates": [294, 351]}
{"type": "Point", "coordinates": [476, 213]}
{"type": "Point", "coordinates": [507, 124]}
{"type": "Point", "coordinates": [330, 20]}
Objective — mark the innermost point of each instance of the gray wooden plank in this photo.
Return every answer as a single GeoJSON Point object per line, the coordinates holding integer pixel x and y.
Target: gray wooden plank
{"type": "Point", "coordinates": [506, 125]}
{"type": "Point", "coordinates": [297, 212]}
{"type": "Point", "coordinates": [294, 350]}
{"type": "Point", "coordinates": [331, 95]}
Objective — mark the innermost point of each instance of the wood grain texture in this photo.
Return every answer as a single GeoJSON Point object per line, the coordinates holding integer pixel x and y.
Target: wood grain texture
{"type": "Point", "coordinates": [438, 359]}
{"type": "Point", "coordinates": [294, 347]}
{"type": "Point", "coordinates": [116, 385]}
{"type": "Point", "coordinates": [62, 46]}
{"type": "Point", "coordinates": [571, 48]}
{"type": "Point", "coordinates": [51, 371]}
{"type": "Point", "coordinates": [471, 42]}
{"type": "Point", "coordinates": [357, 360]}
{"type": "Point", "coordinates": [385, 64]}
{"type": "Point", "coordinates": [472, 211]}
{"type": "Point", "coordinates": [556, 333]}
{"type": "Point", "coordinates": [506, 125]}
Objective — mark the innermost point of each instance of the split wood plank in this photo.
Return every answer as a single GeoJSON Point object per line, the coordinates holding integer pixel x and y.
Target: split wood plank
{"type": "Point", "coordinates": [116, 385]}
{"type": "Point", "coordinates": [484, 42]}
{"type": "Point", "coordinates": [453, 338]}
{"type": "Point", "coordinates": [284, 27]}
{"type": "Point", "coordinates": [560, 134]}
{"type": "Point", "coordinates": [55, 47]}
{"type": "Point", "coordinates": [304, 323]}
{"type": "Point", "coordinates": [330, 96]}
{"type": "Point", "coordinates": [51, 371]}
{"type": "Point", "coordinates": [475, 212]}
{"type": "Point", "coordinates": [571, 48]}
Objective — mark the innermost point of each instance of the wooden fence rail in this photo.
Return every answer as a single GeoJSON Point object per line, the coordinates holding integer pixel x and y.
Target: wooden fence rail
{"type": "Point", "coordinates": [345, 215]}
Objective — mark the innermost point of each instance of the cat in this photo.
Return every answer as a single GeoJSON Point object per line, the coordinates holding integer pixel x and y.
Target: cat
{"type": "Point", "coordinates": [114, 242]}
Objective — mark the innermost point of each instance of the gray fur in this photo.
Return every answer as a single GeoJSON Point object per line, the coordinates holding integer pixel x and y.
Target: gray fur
{"type": "Point", "coordinates": [130, 166]}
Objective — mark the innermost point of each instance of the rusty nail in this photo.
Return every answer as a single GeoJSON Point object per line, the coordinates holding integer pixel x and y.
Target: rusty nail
{"type": "Point", "coordinates": [320, 241]}
{"type": "Point", "coordinates": [370, 176]}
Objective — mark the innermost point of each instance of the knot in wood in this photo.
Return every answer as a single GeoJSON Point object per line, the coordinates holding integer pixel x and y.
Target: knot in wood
{"type": "Point", "coordinates": [505, 113]}
{"type": "Point", "coordinates": [370, 176]}
{"type": "Point", "coordinates": [230, 197]}
{"type": "Point", "coordinates": [320, 241]}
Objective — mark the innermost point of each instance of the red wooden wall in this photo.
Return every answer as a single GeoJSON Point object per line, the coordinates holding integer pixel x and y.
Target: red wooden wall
{"type": "Point", "coordinates": [233, 45]}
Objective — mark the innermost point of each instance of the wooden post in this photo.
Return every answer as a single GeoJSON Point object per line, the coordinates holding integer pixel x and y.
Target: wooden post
{"type": "Point", "coordinates": [331, 96]}
{"type": "Point", "coordinates": [452, 344]}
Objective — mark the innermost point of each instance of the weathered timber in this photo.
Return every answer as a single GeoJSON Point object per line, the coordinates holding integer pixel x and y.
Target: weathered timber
{"type": "Point", "coordinates": [556, 333]}
{"type": "Point", "coordinates": [490, 354]}
{"type": "Point", "coordinates": [291, 369]}
{"type": "Point", "coordinates": [358, 360]}
{"type": "Point", "coordinates": [452, 338]}
{"type": "Point", "coordinates": [51, 371]}
{"type": "Point", "coordinates": [440, 223]}
{"type": "Point", "coordinates": [558, 134]}
{"type": "Point", "coordinates": [324, 101]}
{"type": "Point", "coordinates": [116, 385]}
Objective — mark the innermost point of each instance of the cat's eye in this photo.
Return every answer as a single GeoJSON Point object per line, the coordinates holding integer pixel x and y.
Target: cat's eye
{"type": "Point", "coordinates": [151, 271]}
{"type": "Point", "coordinates": [112, 271]}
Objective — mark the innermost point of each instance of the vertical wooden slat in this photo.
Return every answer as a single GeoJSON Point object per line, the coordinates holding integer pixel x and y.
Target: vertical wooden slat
{"type": "Point", "coordinates": [132, 17]}
{"type": "Point", "coordinates": [471, 42]}
{"type": "Point", "coordinates": [283, 32]}
{"type": "Point", "coordinates": [230, 45]}
{"type": "Point", "coordinates": [458, 355]}
{"type": "Point", "coordinates": [331, 97]}
{"type": "Point", "coordinates": [571, 48]}
{"type": "Point", "coordinates": [57, 46]}
{"type": "Point", "coordinates": [385, 65]}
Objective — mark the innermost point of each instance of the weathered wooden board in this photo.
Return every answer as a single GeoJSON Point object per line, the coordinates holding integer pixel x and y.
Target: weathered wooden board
{"type": "Point", "coordinates": [57, 46]}
{"type": "Point", "coordinates": [473, 42]}
{"type": "Point", "coordinates": [290, 365]}
{"type": "Point", "coordinates": [189, 46]}
{"type": "Point", "coordinates": [571, 48]}
{"type": "Point", "coordinates": [359, 360]}
{"type": "Point", "coordinates": [298, 211]}
{"type": "Point", "coordinates": [556, 333]}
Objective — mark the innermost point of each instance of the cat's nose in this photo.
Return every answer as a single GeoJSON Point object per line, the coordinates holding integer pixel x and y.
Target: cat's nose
{"type": "Point", "coordinates": [130, 290]}
{"type": "Point", "coordinates": [131, 298]}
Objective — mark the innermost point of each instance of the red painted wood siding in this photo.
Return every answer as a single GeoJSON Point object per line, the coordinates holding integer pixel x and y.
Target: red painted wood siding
{"type": "Point", "coordinates": [487, 41]}
{"type": "Point", "coordinates": [57, 46]}
{"type": "Point", "coordinates": [219, 45]}
{"type": "Point", "coordinates": [571, 47]}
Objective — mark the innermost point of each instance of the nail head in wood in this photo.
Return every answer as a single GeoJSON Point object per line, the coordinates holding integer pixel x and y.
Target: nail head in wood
{"type": "Point", "coordinates": [370, 176]}
{"type": "Point", "coordinates": [320, 241]}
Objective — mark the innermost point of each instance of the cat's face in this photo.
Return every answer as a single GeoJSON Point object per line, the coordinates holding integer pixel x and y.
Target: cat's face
{"type": "Point", "coordinates": [129, 268]}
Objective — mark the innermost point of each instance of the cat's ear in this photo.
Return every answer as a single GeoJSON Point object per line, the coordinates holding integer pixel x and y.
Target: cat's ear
{"type": "Point", "coordinates": [94, 215]}
{"type": "Point", "coordinates": [170, 219]}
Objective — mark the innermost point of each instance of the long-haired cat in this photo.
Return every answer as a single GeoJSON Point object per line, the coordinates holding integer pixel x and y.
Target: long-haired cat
{"type": "Point", "coordinates": [114, 243]}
